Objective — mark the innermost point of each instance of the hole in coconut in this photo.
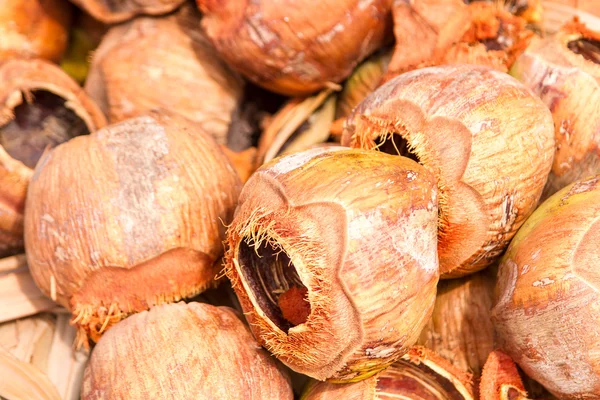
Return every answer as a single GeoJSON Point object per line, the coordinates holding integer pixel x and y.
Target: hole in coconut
{"type": "Point", "coordinates": [499, 43]}
{"type": "Point", "coordinates": [275, 284]}
{"type": "Point", "coordinates": [589, 49]}
{"type": "Point", "coordinates": [395, 144]}
{"type": "Point", "coordinates": [41, 121]}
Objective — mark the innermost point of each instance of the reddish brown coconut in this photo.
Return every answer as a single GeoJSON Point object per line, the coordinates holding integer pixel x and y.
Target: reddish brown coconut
{"type": "Point", "coordinates": [128, 218]}
{"type": "Point", "coordinates": [296, 47]}
{"type": "Point", "coordinates": [40, 107]}
{"type": "Point", "coordinates": [332, 253]}
{"type": "Point", "coordinates": [487, 138]}
{"type": "Point", "coordinates": [183, 351]}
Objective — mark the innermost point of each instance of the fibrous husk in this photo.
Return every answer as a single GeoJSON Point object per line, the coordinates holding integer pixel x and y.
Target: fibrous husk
{"type": "Point", "coordinates": [501, 379]}
{"type": "Point", "coordinates": [332, 253]}
{"type": "Point", "coordinates": [420, 374]}
{"type": "Point", "coordinates": [112, 12]}
{"type": "Point", "coordinates": [564, 70]}
{"type": "Point", "coordinates": [129, 217]}
{"type": "Point", "coordinates": [164, 63]}
{"type": "Point", "coordinates": [434, 32]}
{"type": "Point", "coordinates": [547, 304]}
{"type": "Point", "coordinates": [296, 47]}
{"type": "Point", "coordinates": [40, 107]}
{"type": "Point", "coordinates": [460, 329]}
{"type": "Point", "coordinates": [488, 139]}
{"type": "Point", "coordinates": [34, 29]}
{"type": "Point", "coordinates": [183, 351]}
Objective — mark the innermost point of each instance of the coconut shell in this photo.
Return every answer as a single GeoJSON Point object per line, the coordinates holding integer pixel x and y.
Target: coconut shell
{"type": "Point", "coordinates": [175, 69]}
{"type": "Point", "coordinates": [39, 107]}
{"type": "Point", "coordinates": [547, 303]}
{"type": "Point", "coordinates": [357, 230]}
{"type": "Point", "coordinates": [128, 218]}
{"type": "Point", "coordinates": [564, 70]}
{"type": "Point", "coordinates": [487, 138]}
{"type": "Point", "coordinates": [183, 351]}
{"type": "Point", "coordinates": [283, 47]}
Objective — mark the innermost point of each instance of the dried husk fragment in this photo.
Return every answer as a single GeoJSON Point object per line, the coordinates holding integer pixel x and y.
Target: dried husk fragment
{"type": "Point", "coordinates": [65, 365]}
{"type": "Point", "coordinates": [112, 12]}
{"type": "Point", "coordinates": [547, 306]}
{"type": "Point", "coordinates": [419, 375]}
{"type": "Point", "coordinates": [332, 253]}
{"type": "Point", "coordinates": [181, 351]}
{"type": "Point", "coordinates": [19, 296]}
{"type": "Point", "coordinates": [21, 380]}
{"type": "Point", "coordinates": [127, 218]}
{"type": "Point", "coordinates": [252, 114]}
{"type": "Point", "coordinates": [460, 329]}
{"type": "Point", "coordinates": [564, 70]}
{"type": "Point", "coordinates": [296, 47]}
{"type": "Point", "coordinates": [40, 107]}
{"type": "Point", "coordinates": [29, 339]}
{"type": "Point", "coordinates": [433, 32]}
{"type": "Point", "coordinates": [364, 80]}
{"type": "Point", "coordinates": [501, 379]}
{"type": "Point", "coordinates": [34, 29]}
{"type": "Point", "coordinates": [45, 341]}
{"type": "Point", "coordinates": [299, 124]}
{"type": "Point", "coordinates": [487, 138]}
{"type": "Point", "coordinates": [174, 68]}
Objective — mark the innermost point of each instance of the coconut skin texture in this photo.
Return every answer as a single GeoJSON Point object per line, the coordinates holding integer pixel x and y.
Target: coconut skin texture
{"type": "Point", "coordinates": [486, 137]}
{"type": "Point", "coordinates": [547, 308]}
{"type": "Point", "coordinates": [183, 351]}
{"type": "Point", "coordinates": [358, 231]}
{"type": "Point", "coordinates": [460, 329]}
{"type": "Point", "coordinates": [128, 218]}
{"type": "Point", "coordinates": [175, 68]}
{"type": "Point", "coordinates": [569, 84]}
{"type": "Point", "coordinates": [420, 375]}
{"type": "Point", "coordinates": [113, 12]}
{"type": "Point", "coordinates": [282, 46]}
{"type": "Point", "coordinates": [32, 119]}
{"type": "Point", "coordinates": [34, 29]}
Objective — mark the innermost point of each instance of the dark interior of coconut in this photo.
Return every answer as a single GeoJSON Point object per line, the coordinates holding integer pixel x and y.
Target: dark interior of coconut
{"type": "Point", "coordinates": [395, 144]}
{"type": "Point", "coordinates": [589, 49]}
{"type": "Point", "coordinates": [275, 284]}
{"type": "Point", "coordinates": [42, 121]}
